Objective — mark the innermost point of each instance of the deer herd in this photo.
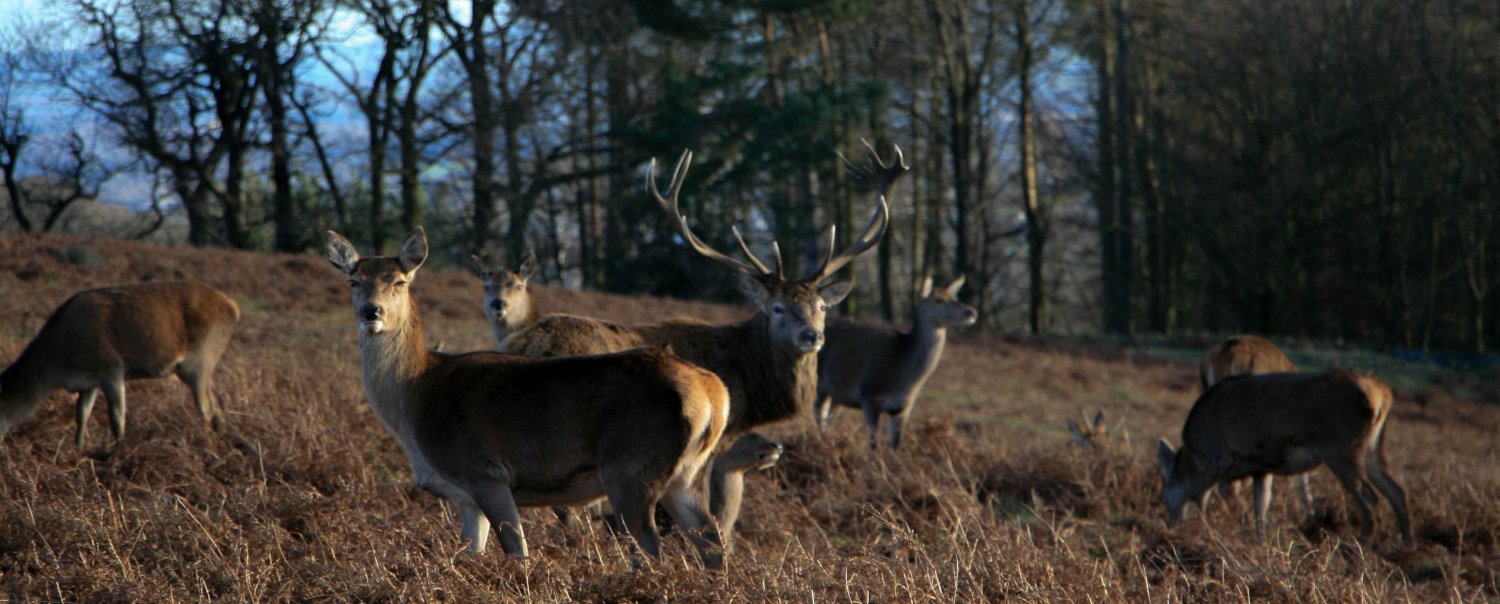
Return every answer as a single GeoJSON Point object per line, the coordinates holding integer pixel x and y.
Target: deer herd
{"type": "Point", "coordinates": [667, 412]}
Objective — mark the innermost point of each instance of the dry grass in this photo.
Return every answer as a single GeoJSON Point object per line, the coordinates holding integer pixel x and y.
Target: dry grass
{"type": "Point", "coordinates": [303, 495]}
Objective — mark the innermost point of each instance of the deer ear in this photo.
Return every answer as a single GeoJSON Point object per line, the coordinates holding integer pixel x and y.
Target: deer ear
{"type": "Point", "coordinates": [339, 252]}
{"type": "Point", "coordinates": [528, 265]}
{"type": "Point", "coordinates": [1167, 456]}
{"type": "Point", "coordinates": [413, 251]}
{"type": "Point", "coordinates": [1098, 421]}
{"type": "Point", "coordinates": [835, 292]}
{"type": "Point", "coordinates": [754, 290]}
{"type": "Point", "coordinates": [926, 286]}
{"type": "Point", "coordinates": [956, 285]}
{"type": "Point", "coordinates": [1076, 433]}
{"type": "Point", "coordinates": [480, 266]}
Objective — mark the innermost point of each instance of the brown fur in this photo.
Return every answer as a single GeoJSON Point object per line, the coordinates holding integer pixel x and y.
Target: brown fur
{"type": "Point", "coordinates": [492, 432]}
{"type": "Point", "coordinates": [1285, 423]}
{"type": "Point", "coordinates": [100, 338]}
{"type": "Point", "coordinates": [1241, 355]}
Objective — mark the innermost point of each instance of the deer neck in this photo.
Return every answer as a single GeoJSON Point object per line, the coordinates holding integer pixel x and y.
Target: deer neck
{"type": "Point", "coordinates": [726, 490]}
{"type": "Point", "coordinates": [21, 391]}
{"type": "Point", "coordinates": [776, 384]}
{"type": "Point", "coordinates": [394, 362]}
{"type": "Point", "coordinates": [922, 347]}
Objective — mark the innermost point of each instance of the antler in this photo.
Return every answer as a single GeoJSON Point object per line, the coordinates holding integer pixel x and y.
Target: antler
{"type": "Point", "coordinates": [668, 204]}
{"type": "Point", "coordinates": [833, 262]}
{"type": "Point", "coordinates": [879, 173]}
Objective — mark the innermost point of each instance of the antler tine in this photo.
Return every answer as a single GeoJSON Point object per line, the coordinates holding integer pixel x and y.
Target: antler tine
{"type": "Point", "coordinates": [744, 247]}
{"type": "Point", "coordinates": [872, 235]}
{"type": "Point", "coordinates": [679, 221]}
{"type": "Point", "coordinates": [880, 173]}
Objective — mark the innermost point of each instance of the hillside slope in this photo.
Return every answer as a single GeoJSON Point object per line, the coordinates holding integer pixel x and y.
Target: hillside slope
{"type": "Point", "coordinates": [303, 494]}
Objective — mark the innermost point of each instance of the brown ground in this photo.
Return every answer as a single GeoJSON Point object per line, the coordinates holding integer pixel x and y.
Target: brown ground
{"type": "Point", "coordinates": [303, 495]}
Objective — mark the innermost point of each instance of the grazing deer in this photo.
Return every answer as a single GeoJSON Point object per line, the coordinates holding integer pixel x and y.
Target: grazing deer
{"type": "Point", "coordinates": [1285, 423]}
{"type": "Point", "coordinates": [727, 478]}
{"type": "Point", "coordinates": [494, 432]}
{"type": "Point", "coordinates": [507, 300]}
{"type": "Point", "coordinates": [1248, 355]}
{"type": "Point", "coordinates": [100, 338]}
{"type": "Point", "coordinates": [880, 370]}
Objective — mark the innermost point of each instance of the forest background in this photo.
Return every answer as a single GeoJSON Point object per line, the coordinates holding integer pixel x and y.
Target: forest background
{"type": "Point", "coordinates": [1304, 169]}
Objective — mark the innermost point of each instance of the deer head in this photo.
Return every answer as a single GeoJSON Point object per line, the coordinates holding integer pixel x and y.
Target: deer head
{"type": "Point", "coordinates": [796, 308]}
{"type": "Point", "coordinates": [506, 297]}
{"type": "Point", "coordinates": [940, 306]}
{"type": "Point", "coordinates": [379, 284]}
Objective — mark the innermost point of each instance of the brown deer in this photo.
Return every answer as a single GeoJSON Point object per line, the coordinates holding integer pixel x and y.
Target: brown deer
{"type": "Point", "coordinates": [727, 477]}
{"type": "Point", "coordinates": [100, 338]}
{"type": "Point", "coordinates": [507, 300]}
{"type": "Point", "coordinates": [1248, 355]}
{"type": "Point", "coordinates": [880, 370]}
{"type": "Point", "coordinates": [493, 432]}
{"type": "Point", "coordinates": [1285, 423]}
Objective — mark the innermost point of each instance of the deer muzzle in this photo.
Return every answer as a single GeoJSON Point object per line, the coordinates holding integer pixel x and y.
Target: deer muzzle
{"type": "Point", "coordinates": [370, 319]}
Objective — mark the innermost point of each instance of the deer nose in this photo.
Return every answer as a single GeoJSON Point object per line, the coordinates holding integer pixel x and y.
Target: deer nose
{"type": "Point", "coordinates": [810, 336]}
{"type": "Point", "coordinates": [371, 312]}
{"type": "Point", "coordinates": [497, 304]}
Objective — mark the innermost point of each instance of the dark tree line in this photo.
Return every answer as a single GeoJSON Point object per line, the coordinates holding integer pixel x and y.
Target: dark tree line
{"type": "Point", "coordinates": [1321, 169]}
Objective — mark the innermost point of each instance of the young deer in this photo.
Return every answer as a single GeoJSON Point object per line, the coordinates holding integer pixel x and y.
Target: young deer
{"type": "Point", "coordinates": [494, 432]}
{"type": "Point", "coordinates": [1285, 423]}
{"type": "Point", "coordinates": [507, 300]}
{"type": "Point", "coordinates": [751, 452]}
{"type": "Point", "coordinates": [880, 370]}
{"type": "Point", "coordinates": [102, 337]}
{"type": "Point", "coordinates": [1248, 355]}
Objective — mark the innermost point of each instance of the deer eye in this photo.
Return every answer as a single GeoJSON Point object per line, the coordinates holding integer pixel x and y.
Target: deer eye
{"type": "Point", "coordinates": [353, 283]}
{"type": "Point", "coordinates": [823, 307]}
{"type": "Point", "coordinates": [401, 284]}
{"type": "Point", "coordinates": [778, 309]}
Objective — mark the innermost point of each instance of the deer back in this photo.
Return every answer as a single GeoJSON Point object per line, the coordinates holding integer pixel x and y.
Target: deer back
{"type": "Point", "coordinates": [143, 329]}
{"type": "Point", "coordinates": [1241, 355]}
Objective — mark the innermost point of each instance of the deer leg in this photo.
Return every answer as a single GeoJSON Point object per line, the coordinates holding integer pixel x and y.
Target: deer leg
{"type": "Point", "coordinates": [822, 408]}
{"type": "Point", "coordinates": [872, 418]}
{"type": "Point", "coordinates": [199, 380]}
{"type": "Point", "coordinates": [86, 400]}
{"type": "Point", "coordinates": [566, 519]}
{"type": "Point", "coordinates": [683, 505]}
{"type": "Point", "coordinates": [1352, 476]}
{"type": "Point", "coordinates": [1304, 484]}
{"type": "Point", "coordinates": [1394, 494]}
{"type": "Point", "coordinates": [636, 509]}
{"type": "Point", "coordinates": [475, 528]}
{"type": "Point", "coordinates": [114, 395]}
{"type": "Point", "coordinates": [499, 506]}
{"type": "Point", "coordinates": [893, 429]}
{"type": "Point", "coordinates": [1262, 489]}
